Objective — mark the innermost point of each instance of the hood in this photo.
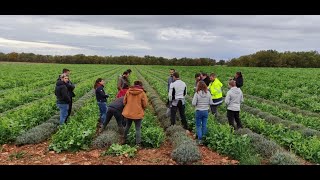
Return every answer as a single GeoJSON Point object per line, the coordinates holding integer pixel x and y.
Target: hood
{"type": "Point", "coordinates": [60, 83]}
{"type": "Point", "coordinates": [235, 90]}
{"type": "Point", "coordinates": [202, 94]}
{"type": "Point", "coordinates": [135, 90]}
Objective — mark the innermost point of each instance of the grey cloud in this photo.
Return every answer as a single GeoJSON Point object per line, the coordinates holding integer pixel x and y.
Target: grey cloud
{"type": "Point", "coordinates": [222, 37]}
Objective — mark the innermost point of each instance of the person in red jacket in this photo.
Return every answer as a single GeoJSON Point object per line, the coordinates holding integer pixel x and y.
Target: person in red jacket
{"type": "Point", "coordinates": [123, 91]}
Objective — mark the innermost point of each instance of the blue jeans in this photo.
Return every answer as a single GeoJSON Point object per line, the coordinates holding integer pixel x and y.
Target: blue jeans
{"type": "Point", "coordinates": [103, 111]}
{"type": "Point", "coordinates": [63, 112]}
{"type": "Point", "coordinates": [201, 123]}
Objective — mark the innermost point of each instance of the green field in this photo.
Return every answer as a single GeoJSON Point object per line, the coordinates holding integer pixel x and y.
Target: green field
{"type": "Point", "coordinates": [280, 113]}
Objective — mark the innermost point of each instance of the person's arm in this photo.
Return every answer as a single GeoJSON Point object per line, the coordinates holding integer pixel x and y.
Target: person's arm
{"type": "Point", "coordinates": [119, 83]}
{"type": "Point", "coordinates": [125, 99]}
{"type": "Point", "coordinates": [102, 93]}
{"type": "Point", "coordinates": [241, 100]}
{"type": "Point", "coordinates": [185, 90]}
{"type": "Point", "coordinates": [144, 101]}
{"type": "Point", "coordinates": [227, 99]}
{"type": "Point", "coordinates": [170, 92]}
{"type": "Point", "coordinates": [239, 82]}
{"type": "Point", "coordinates": [210, 99]}
{"type": "Point", "coordinates": [194, 100]}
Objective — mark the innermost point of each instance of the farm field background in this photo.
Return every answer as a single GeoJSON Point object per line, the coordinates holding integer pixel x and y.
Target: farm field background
{"type": "Point", "coordinates": [280, 115]}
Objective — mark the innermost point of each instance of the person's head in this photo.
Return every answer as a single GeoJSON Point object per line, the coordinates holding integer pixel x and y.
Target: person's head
{"type": "Point", "coordinates": [98, 82]}
{"type": "Point", "coordinates": [212, 76]}
{"type": "Point", "coordinates": [175, 75]}
{"type": "Point", "coordinates": [197, 76]}
{"type": "Point", "coordinates": [65, 71]}
{"type": "Point", "coordinates": [137, 83]}
{"type": "Point", "coordinates": [202, 86]}
{"type": "Point", "coordinates": [172, 71]}
{"type": "Point", "coordinates": [203, 75]}
{"type": "Point", "coordinates": [129, 71]}
{"type": "Point", "coordinates": [64, 78]}
{"type": "Point", "coordinates": [126, 74]}
{"type": "Point", "coordinates": [238, 74]}
{"type": "Point", "coordinates": [232, 83]}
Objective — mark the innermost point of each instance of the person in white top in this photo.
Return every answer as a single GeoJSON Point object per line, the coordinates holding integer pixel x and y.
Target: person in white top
{"type": "Point", "coordinates": [177, 93]}
{"type": "Point", "coordinates": [233, 100]}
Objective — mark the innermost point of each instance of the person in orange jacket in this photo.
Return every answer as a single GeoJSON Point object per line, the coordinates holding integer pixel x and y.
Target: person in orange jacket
{"type": "Point", "coordinates": [135, 102]}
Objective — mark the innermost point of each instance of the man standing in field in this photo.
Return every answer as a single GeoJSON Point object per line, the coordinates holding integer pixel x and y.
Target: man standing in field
{"type": "Point", "coordinates": [70, 88]}
{"type": "Point", "coordinates": [177, 93]}
{"type": "Point", "coordinates": [123, 80]}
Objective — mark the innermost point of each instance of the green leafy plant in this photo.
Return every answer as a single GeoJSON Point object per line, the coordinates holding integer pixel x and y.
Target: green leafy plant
{"type": "Point", "coordinates": [120, 150]}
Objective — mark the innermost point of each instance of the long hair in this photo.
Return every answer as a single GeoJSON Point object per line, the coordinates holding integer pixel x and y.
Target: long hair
{"type": "Point", "coordinates": [239, 74]}
{"type": "Point", "coordinates": [202, 86]}
{"type": "Point", "coordinates": [97, 83]}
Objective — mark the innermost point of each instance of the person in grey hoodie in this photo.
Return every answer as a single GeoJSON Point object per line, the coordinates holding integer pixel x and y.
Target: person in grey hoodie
{"type": "Point", "coordinates": [233, 100]}
{"type": "Point", "coordinates": [202, 101]}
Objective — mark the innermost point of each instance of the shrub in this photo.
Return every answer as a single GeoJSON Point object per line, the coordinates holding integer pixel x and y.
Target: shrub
{"type": "Point", "coordinates": [296, 126]}
{"type": "Point", "coordinates": [186, 153]}
{"type": "Point", "coordinates": [250, 160]}
{"type": "Point", "coordinates": [310, 132]}
{"type": "Point", "coordinates": [37, 134]}
{"type": "Point", "coordinates": [106, 139]}
{"type": "Point", "coordinates": [284, 158]}
{"type": "Point", "coordinates": [263, 146]}
{"type": "Point", "coordinates": [173, 129]}
{"type": "Point", "coordinates": [273, 119]}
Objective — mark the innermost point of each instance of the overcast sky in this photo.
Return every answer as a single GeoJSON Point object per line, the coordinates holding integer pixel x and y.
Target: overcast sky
{"type": "Point", "coordinates": [218, 37]}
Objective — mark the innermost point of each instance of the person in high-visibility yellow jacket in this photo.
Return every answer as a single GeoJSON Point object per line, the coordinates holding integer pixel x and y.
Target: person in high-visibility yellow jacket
{"type": "Point", "coordinates": [216, 93]}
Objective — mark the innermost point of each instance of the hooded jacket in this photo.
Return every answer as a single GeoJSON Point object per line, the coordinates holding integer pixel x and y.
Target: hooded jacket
{"type": "Point", "coordinates": [61, 92]}
{"type": "Point", "coordinates": [202, 100]}
{"type": "Point", "coordinates": [135, 102]}
{"type": "Point", "coordinates": [234, 98]}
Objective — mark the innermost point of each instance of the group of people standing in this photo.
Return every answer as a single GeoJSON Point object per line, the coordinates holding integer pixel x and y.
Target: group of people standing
{"type": "Point", "coordinates": [131, 101]}
{"type": "Point", "coordinates": [207, 95]}
{"type": "Point", "coordinates": [128, 107]}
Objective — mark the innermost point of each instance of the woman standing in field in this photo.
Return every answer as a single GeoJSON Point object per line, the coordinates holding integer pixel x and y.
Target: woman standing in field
{"type": "Point", "coordinates": [135, 102]}
{"type": "Point", "coordinates": [101, 97]}
{"type": "Point", "coordinates": [239, 79]}
{"type": "Point", "coordinates": [201, 100]}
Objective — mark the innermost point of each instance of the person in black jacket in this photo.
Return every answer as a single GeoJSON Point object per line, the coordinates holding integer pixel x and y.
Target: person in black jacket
{"type": "Point", "coordinates": [239, 79]}
{"type": "Point", "coordinates": [63, 98]}
{"type": "Point", "coordinates": [204, 77]}
{"type": "Point", "coordinates": [101, 97]}
{"type": "Point", "coordinates": [70, 88]}
{"type": "Point", "coordinates": [115, 109]}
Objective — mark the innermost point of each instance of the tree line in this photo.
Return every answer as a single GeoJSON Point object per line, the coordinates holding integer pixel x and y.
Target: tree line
{"type": "Point", "coordinates": [126, 60]}
{"type": "Point", "coordinates": [272, 58]}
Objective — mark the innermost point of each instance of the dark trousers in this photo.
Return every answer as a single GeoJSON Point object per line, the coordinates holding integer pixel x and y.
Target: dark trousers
{"type": "Point", "coordinates": [137, 123]}
{"type": "Point", "coordinates": [119, 118]}
{"type": "Point", "coordinates": [234, 116]}
{"type": "Point", "coordinates": [181, 109]}
{"type": "Point", "coordinates": [69, 110]}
